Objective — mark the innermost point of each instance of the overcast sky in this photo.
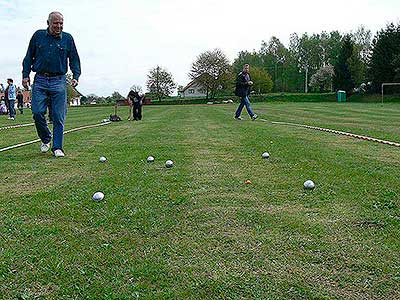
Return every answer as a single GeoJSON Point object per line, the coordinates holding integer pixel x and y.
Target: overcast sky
{"type": "Point", "coordinates": [120, 41]}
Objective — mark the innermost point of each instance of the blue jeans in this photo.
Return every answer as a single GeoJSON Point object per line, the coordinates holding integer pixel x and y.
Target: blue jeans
{"type": "Point", "coordinates": [12, 108]}
{"type": "Point", "coordinates": [55, 89]}
{"type": "Point", "coordinates": [244, 102]}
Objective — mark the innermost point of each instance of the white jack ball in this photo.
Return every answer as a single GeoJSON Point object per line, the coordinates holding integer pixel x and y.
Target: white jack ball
{"type": "Point", "coordinates": [169, 163]}
{"type": "Point", "coordinates": [98, 196]}
{"type": "Point", "coordinates": [309, 185]}
{"type": "Point", "coordinates": [102, 159]}
{"type": "Point", "coordinates": [150, 159]}
{"type": "Point", "coordinates": [265, 155]}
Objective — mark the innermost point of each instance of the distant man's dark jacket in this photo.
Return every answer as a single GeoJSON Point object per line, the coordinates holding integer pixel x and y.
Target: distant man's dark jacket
{"type": "Point", "coordinates": [242, 87]}
{"type": "Point", "coordinates": [20, 99]}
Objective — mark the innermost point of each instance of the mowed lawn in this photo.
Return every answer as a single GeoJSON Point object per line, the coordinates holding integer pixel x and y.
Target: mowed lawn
{"type": "Point", "coordinates": [196, 231]}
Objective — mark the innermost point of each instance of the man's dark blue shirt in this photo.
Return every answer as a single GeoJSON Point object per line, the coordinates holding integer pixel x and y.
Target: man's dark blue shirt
{"type": "Point", "coordinates": [49, 54]}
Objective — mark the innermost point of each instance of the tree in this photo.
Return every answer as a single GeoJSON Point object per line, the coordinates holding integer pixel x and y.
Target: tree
{"type": "Point", "coordinates": [160, 82]}
{"type": "Point", "coordinates": [115, 96]}
{"type": "Point", "coordinates": [342, 79]}
{"type": "Point", "coordinates": [262, 80]}
{"type": "Point", "coordinates": [136, 88]}
{"type": "Point", "coordinates": [254, 59]}
{"type": "Point", "coordinates": [384, 63]}
{"type": "Point", "coordinates": [275, 56]}
{"type": "Point", "coordinates": [358, 62]}
{"type": "Point", "coordinates": [212, 69]}
{"type": "Point", "coordinates": [306, 52]}
{"type": "Point", "coordinates": [323, 78]}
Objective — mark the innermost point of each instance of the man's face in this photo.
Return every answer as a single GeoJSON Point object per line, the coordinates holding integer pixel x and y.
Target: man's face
{"type": "Point", "coordinates": [56, 24]}
{"type": "Point", "coordinates": [246, 69]}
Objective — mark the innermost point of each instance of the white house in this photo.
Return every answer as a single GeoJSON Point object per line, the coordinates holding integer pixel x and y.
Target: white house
{"type": "Point", "coordinates": [75, 101]}
{"type": "Point", "coordinates": [193, 89]}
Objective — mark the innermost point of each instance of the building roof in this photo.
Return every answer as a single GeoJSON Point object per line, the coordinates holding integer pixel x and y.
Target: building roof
{"type": "Point", "coordinates": [194, 81]}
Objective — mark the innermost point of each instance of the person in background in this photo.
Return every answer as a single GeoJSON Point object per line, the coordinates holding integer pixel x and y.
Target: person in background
{"type": "Point", "coordinates": [243, 87]}
{"type": "Point", "coordinates": [6, 98]}
{"type": "Point", "coordinates": [20, 102]}
{"type": "Point", "coordinates": [3, 108]}
{"type": "Point", "coordinates": [135, 101]}
{"type": "Point", "coordinates": [12, 96]}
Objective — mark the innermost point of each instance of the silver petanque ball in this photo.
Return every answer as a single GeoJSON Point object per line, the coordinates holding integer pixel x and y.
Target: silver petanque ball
{"type": "Point", "coordinates": [98, 196]}
{"type": "Point", "coordinates": [150, 159]}
{"type": "Point", "coordinates": [102, 159]}
{"type": "Point", "coordinates": [169, 163]}
{"type": "Point", "coordinates": [309, 185]}
{"type": "Point", "coordinates": [265, 155]}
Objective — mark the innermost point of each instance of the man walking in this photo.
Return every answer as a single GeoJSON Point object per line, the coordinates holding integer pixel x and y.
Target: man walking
{"type": "Point", "coordinates": [12, 96]}
{"type": "Point", "coordinates": [48, 54]}
{"type": "Point", "coordinates": [243, 87]}
{"type": "Point", "coordinates": [20, 99]}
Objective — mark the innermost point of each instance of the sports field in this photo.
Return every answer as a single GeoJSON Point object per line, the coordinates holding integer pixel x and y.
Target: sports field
{"type": "Point", "coordinates": [196, 231]}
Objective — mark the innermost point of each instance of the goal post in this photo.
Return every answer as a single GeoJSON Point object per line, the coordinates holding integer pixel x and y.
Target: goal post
{"type": "Point", "coordinates": [388, 84]}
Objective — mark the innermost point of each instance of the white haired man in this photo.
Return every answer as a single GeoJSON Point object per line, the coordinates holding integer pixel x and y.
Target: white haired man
{"type": "Point", "coordinates": [48, 54]}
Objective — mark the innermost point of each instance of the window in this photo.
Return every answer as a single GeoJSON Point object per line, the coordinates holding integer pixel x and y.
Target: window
{"type": "Point", "coordinates": [191, 91]}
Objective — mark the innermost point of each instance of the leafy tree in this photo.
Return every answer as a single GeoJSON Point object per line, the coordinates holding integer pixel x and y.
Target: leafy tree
{"type": "Point", "coordinates": [212, 69]}
{"type": "Point", "coordinates": [358, 61]}
{"type": "Point", "coordinates": [342, 79]}
{"type": "Point", "coordinates": [160, 82]}
{"type": "Point", "coordinates": [396, 63]}
{"type": "Point", "coordinates": [275, 56]}
{"type": "Point", "coordinates": [254, 59]}
{"type": "Point", "coordinates": [84, 100]}
{"type": "Point", "coordinates": [262, 80]}
{"type": "Point", "coordinates": [323, 78]}
{"type": "Point", "coordinates": [384, 63]}
{"type": "Point", "coordinates": [115, 96]}
{"type": "Point", "coordinates": [136, 88]}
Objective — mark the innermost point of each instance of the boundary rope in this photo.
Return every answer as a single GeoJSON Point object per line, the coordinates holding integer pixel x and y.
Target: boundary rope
{"type": "Point", "coordinates": [16, 126]}
{"type": "Point", "coordinates": [357, 136]}
{"type": "Point", "coordinates": [65, 132]}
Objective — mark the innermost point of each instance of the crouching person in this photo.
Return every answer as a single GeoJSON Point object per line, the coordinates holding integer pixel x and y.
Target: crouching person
{"type": "Point", "coordinates": [135, 101]}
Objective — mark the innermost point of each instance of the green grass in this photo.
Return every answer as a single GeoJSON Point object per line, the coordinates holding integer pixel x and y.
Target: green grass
{"type": "Point", "coordinates": [196, 231]}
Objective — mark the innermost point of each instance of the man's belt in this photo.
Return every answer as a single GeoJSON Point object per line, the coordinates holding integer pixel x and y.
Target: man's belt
{"type": "Point", "coordinates": [50, 74]}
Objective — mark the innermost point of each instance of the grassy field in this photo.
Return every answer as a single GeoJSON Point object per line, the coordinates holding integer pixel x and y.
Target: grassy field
{"type": "Point", "coordinates": [196, 231]}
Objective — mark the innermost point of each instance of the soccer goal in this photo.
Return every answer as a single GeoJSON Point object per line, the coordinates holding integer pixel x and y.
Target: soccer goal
{"type": "Point", "coordinates": [388, 84]}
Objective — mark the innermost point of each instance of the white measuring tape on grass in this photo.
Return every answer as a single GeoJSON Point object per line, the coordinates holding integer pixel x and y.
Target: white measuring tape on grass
{"type": "Point", "coordinates": [65, 132]}
{"type": "Point", "coordinates": [357, 136]}
{"type": "Point", "coordinates": [16, 126]}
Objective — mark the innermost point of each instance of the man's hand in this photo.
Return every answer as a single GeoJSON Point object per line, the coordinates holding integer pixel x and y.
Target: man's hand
{"type": "Point", "coordinates": [74, 82]}
{"type": "Point", "coordinates": [250, 82]}
{"type": "Point", "coordinates": [26, 82]}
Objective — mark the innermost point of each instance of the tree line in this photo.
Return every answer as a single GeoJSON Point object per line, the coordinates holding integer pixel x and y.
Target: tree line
{"type": "Point", "coordinates": [321, 62]}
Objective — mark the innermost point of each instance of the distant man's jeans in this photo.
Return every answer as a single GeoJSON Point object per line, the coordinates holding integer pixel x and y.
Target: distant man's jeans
{"type": "Point", "coordinates": [244, 102]}
{"type": "Point", "coordinates": [11, 104]}
{"type": "Point", "coordinates": [55, 89]}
